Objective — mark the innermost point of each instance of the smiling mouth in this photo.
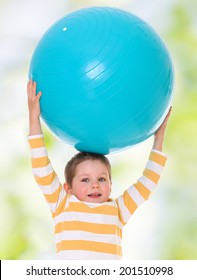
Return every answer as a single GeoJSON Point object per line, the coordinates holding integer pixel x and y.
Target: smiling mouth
{"type": "Point", "coordinates": [94, 195]}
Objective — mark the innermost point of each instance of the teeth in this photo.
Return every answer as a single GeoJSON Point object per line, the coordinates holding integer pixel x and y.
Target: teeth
{"type": "Point", "coordinates": [94, 194]}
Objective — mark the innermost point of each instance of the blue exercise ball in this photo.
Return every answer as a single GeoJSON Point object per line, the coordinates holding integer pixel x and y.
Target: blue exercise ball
{"type": "Point", "coordinates": [106, 77]}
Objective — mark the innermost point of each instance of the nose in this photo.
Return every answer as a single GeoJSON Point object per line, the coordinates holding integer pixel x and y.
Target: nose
{"type": "Point", "coordinates": [95, 184]}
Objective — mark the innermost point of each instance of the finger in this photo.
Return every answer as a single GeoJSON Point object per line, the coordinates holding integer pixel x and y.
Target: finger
{"type": "Point", "coordinates": [39, 95]}
{"type": "Point", "coordinates": [33, 89]}
{"type": "Point", "coordinates": [29, 87]}
{"type": "Point", "coordinates": [169, 112]}
{"type": "Point", "coordinates": [34, 85]}
{"type": "Point", "coordinates": [164, 124]}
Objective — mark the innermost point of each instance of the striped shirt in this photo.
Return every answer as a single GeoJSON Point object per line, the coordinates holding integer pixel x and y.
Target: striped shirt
{"type": "Point", "coordinates": [85, 230]}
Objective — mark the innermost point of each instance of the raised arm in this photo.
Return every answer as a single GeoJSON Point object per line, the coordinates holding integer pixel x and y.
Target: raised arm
{"type": "Point", "coordinates": [141, 190]}
{"type": "Point", "coordinates": [43, 172]}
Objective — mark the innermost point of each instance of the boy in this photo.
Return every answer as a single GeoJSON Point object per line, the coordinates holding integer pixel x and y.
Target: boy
{"type": "Point", "coordinates": [88, 224]}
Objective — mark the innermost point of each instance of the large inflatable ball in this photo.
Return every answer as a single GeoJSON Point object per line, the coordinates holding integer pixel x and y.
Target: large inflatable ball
{"type": "Point", "coordinates": [106, 78]}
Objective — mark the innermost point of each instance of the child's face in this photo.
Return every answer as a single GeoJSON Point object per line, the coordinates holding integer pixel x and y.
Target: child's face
{"type": "Point", "coordinates": [91, 182]}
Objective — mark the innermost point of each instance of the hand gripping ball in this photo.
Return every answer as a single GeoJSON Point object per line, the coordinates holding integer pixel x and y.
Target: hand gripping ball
{"type": "Point", "coordinates": [106, 78]}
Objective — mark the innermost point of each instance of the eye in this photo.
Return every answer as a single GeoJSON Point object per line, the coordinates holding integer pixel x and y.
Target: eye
{"type": "Point", "coordinates": [85, 180]}
{"type": "Point", "coordinates": [102, 179]}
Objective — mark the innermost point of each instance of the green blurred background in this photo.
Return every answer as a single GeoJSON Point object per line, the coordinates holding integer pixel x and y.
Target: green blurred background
{"type": "Point", "coordinates": [163, 228]}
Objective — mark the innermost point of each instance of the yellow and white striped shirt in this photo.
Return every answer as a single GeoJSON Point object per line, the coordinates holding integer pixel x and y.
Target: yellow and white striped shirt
{"type": "Point", "coordinates": [85, 230]}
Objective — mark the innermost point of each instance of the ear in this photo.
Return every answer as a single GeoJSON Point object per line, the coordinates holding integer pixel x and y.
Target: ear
{"type": "Point", "coordinates": [67, 188]}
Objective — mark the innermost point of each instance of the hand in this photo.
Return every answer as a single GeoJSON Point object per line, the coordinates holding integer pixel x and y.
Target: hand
{"type": "Point", "coordinates": [33, 99]}
{"type": "Point", "coordinates": [159, 134]}
{"type": "Point", "coordinates": [34, 109]}
{"type": "Point", "coordinates": [161, 130]}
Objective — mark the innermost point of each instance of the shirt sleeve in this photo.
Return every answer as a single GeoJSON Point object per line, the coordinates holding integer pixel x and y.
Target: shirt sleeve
{"type": "Point", "coordinates": [44, 174]}
{"type": "Point", "coordinates": [136, 194]}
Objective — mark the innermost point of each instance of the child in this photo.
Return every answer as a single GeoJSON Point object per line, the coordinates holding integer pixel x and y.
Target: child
{"type": "Point", "coordinates": [87, 223]}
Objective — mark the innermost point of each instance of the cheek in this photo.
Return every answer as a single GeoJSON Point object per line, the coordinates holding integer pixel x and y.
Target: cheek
{"type": "Point", "coordinates": [80, 190]}
{"type": "Point", "coordinates": [107, 190]}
